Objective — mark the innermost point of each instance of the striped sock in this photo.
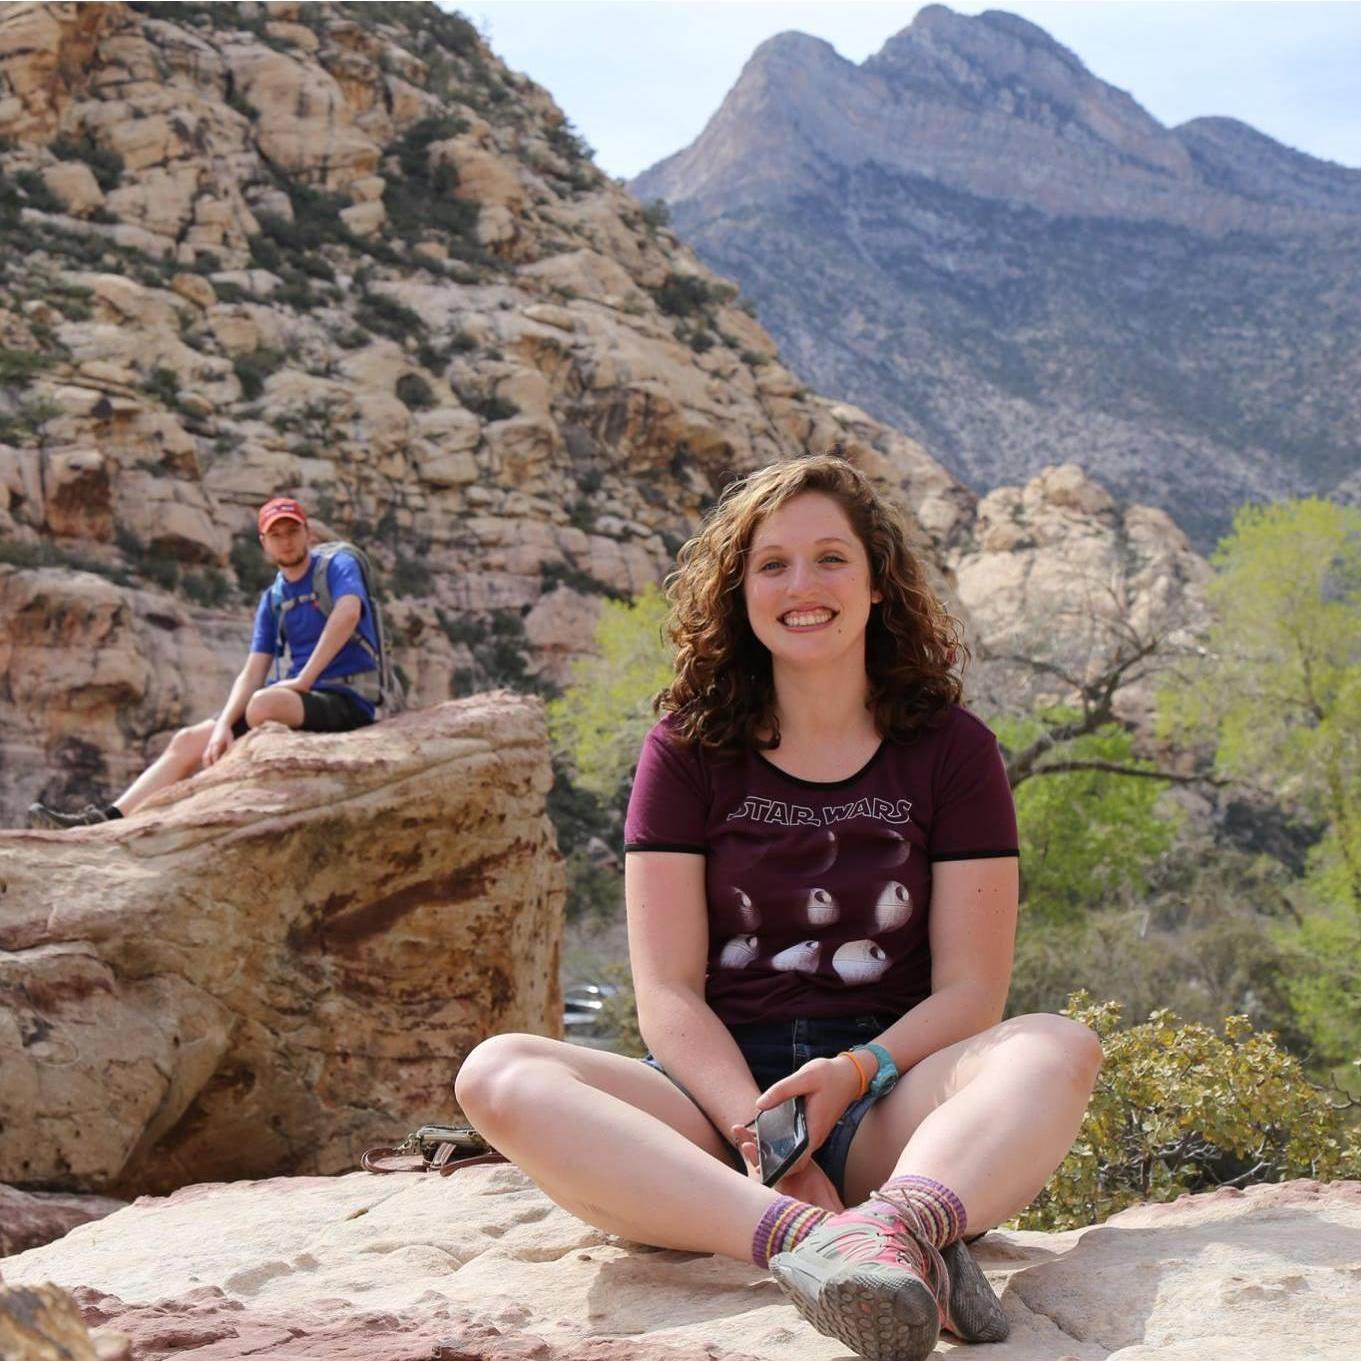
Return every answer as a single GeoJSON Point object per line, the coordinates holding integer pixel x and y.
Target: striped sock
{"type": "Point", "coordinates": [932, 1210]}
{"type": "Point", "coordinates": [785, 1224]}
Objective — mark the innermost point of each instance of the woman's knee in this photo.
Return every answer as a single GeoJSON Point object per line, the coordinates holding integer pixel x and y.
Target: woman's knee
{"type": "Point", "coordinates": [494, 1080]}
{"type": "Point", "coordinates": [1071, 1048]}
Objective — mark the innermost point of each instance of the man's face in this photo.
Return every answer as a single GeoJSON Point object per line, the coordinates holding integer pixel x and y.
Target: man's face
{"type": "Point", "coordinates": [285, 543]}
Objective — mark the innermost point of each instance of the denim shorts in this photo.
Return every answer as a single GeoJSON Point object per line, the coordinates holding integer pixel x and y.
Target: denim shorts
{"type": "Point", "coordinates": [774, 1049]}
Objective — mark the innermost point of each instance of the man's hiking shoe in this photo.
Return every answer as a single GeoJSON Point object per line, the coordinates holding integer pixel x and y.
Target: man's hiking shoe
{"type": "Point", "coordinates": [972, 1310]}
{"type": "Point", "coordinates": [40, 815]}
{"type": "Point", "coordinates": [865, 1279]}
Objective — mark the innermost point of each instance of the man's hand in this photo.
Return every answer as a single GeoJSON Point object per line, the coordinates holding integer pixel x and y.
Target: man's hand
{"type": "Point", "coordinates": [297, 683]}
{"type": "Point", "coordinates": [218, 743]}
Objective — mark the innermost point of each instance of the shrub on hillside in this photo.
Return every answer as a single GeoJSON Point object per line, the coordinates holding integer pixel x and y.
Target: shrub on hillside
{"type": "Point", "coordinates": [252, 369]}
{"type": "Point", "coordinates": [415, 392]}
{"type": "Point", "coordinates": [1178, 1108]}
{"type": "Point", "coordinates": [683, 295]}
{"type": "Point", "coordinates": [105, 165]}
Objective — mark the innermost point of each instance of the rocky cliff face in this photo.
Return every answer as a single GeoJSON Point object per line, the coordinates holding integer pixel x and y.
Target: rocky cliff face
{"type": "Point", "coordinates": [980, 242]}
{"type": "Point", "coordinates": [343, 252]}
{"type": "Point", "coordinates": [339, 251]}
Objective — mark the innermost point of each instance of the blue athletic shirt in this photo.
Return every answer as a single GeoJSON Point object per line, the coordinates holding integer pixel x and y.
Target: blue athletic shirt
{"type": "Point", "coordinates": [303, 625]}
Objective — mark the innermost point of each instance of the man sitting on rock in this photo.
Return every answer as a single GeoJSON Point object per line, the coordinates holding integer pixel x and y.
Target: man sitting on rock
{"type": "Point", "coordinates": [333, 673]}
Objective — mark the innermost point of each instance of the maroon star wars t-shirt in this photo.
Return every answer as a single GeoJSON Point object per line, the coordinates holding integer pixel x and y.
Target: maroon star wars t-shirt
{"type": "Point", "coordinates": [820, 892]}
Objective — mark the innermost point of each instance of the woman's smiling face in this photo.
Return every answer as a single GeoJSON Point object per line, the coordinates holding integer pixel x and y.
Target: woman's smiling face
{"type": "Point", "coordinates": [807, 585]}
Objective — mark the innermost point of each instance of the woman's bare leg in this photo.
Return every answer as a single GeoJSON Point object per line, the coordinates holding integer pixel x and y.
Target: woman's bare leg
{"type": "Point", "coordinates": [612, 1141]}
{"type": "Point", "coordinates": [990, 1117]}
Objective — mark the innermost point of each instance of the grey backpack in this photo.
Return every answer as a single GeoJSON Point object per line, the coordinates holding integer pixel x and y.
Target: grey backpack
{"type": "Point", "coordinates": [382, 688]}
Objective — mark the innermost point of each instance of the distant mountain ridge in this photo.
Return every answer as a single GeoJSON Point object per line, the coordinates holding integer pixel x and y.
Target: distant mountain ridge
{"type": "Point", "coordinates": [982, 243]}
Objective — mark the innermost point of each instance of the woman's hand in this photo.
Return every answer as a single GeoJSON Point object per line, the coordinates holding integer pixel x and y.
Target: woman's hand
{"type": "Point", "coordinates": [827, 1086]}
{"type": "Point", "coordinates": [811, 1184]}
{"type": "Point", "coordinates": [807, 1183]}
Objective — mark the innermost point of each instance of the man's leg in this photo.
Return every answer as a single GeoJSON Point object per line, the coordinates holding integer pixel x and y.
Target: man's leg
{"type": "Point", "coordinates": [274, 704]}
{"type": "Point", "coordinates": [177, 762]}
{"type": "Point", "coordinates": [316, 711]}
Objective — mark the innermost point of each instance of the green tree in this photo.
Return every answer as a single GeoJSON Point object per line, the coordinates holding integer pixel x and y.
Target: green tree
{"type": "Point", "coordinates": [1091, 825]}
{"type": "Point", "coordinates": [598, 724]}
{"type": "Point", "coordinates": [1277, 691]}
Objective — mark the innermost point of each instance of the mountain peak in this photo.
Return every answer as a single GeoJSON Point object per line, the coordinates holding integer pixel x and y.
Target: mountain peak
{"type": "Point", "coordinates": [994, 40]}
{"type": "Point", "coordinates": [791, 44]}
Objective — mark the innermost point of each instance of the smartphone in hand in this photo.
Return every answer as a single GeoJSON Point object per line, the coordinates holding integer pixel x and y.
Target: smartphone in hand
{"type": "Point", "coordinates": [781, 1139]}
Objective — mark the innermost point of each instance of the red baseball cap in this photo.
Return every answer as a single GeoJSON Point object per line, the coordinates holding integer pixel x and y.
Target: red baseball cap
{"type": "Point", "coordinates": [281, 508]}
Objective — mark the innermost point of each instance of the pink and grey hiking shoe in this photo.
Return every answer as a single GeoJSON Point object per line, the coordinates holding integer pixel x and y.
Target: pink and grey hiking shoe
{"type": "Point", "coordinates": [867, 1279]}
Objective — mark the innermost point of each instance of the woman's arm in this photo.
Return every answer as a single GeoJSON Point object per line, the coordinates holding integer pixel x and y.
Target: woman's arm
{"type": "Point", "coordinates": [973, 933]}
{"type": "Point", "coordinates": [668, 925]}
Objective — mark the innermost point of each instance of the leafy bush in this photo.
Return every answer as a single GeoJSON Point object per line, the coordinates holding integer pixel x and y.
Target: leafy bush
{"type": "Point", "coordinates": [253, 572]}
{"type": "Point", "coordinates": [17, 367]}
{"type": "Point", "coordinates": [491, 408]}
{"type": "Point", "coordinates": [410, 576]}
{"type": "Point", "coordinates": [385, 315]}
{"type": "Point", "coordinates": [1178, 1108]}
{"type": "Point", "coordinates": [44, 554]}
{"type": "Point", "coordinates": [252, 369]}
{"type": "Point", "coordinates": [422, 197]}
{"type": "Point", "coordinates": [164, 385]}
{"type": "Point", "coordinates": [39, 195]}
{"type": "Point", "coordinates": [354, 338]}
{"type": "Point", "coordinates": [657, 213]}
{"type": "Point", "coordinates": [568, 142]}
{"type": "Point", "coordinates": [208, 588]}
{"type": "Point", "coordinates": [415, 392]}
{"type": "Point", "coordinates": [105, 165]}
{"type": "Point", "coordinates": [683, 295]}
{"type": "Point", "coordinates": [27, 420]}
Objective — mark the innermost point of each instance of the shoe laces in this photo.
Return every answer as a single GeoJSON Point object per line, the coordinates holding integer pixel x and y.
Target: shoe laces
{"type": "Point", "coordinates": [912, 1247]}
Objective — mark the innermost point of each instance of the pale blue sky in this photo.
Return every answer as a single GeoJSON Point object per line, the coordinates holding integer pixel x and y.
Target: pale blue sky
{"type": "Point", "coordinates": [640, 78]}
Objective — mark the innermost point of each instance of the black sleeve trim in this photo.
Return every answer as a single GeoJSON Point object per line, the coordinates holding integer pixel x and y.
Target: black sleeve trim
{"type": "Point", "coordinates": [664, 846]}
{"type": "Point", "coordinates": [974, 855]}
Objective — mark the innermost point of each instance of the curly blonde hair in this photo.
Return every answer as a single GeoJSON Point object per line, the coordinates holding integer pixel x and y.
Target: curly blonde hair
{"type": "Point", "coordinates": [723, 694]}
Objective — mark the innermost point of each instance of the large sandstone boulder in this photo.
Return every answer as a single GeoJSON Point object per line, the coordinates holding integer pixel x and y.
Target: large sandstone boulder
{"type": "Point", "coordinates": [1058, 576]}
{"type": "Point", "coordinates": [281, 961]}
{"type": "Point", "coordinates": [410, 1267]}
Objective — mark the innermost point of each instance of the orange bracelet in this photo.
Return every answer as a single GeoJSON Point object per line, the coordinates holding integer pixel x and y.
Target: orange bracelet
{"type": "Point", "coordinates": [864, 1076]}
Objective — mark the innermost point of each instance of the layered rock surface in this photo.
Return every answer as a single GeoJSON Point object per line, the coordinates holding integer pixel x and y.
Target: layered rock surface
{"type": "Point", "coordinates": [977, 240]}
{"type": "Point", "coordinates": [281, 961]}
{"type": "Point", "coordinates": [481, 1265]}
{"type": "Point", "coordinates": [340, 251]}
{"type": "Point", "coordinates": [1064, 586]}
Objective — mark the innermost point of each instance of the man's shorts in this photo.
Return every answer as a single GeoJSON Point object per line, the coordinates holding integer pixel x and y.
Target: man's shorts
{"type": "Point", "coordinates": [322, 711]}
{"type": "Point", "coordinates": [774, 1049]}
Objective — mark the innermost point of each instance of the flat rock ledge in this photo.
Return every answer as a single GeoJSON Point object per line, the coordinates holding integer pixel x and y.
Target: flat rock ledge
{"type": "Point", "coordinates": [480, 1266]}
{"type": "Point", "coordinates": [281, 961]}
